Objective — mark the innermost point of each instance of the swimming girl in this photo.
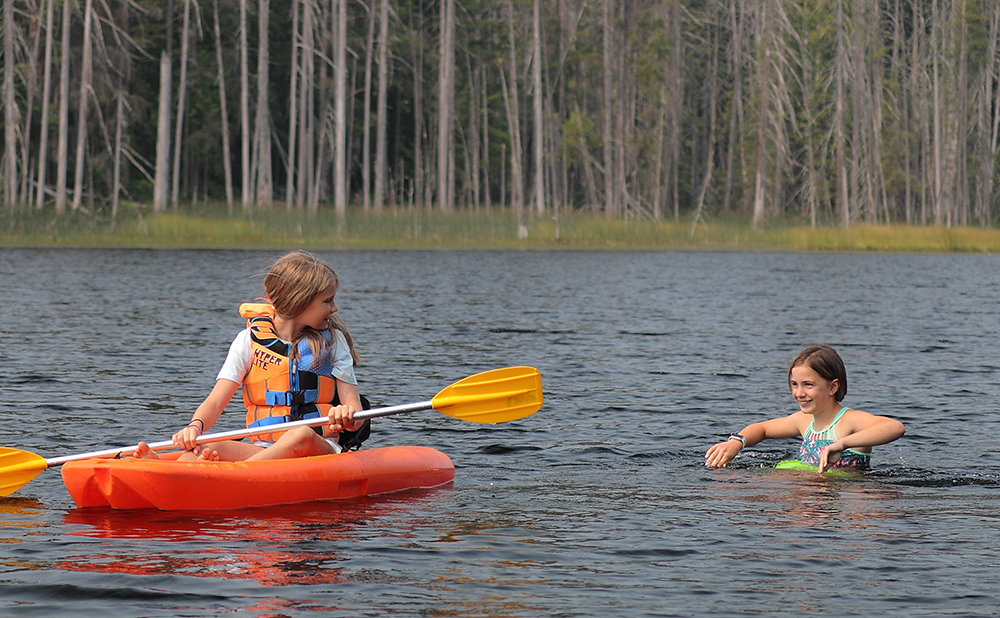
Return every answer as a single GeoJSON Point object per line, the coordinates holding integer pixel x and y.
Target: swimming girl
{"type": "Point", "coordinates": [833, 436]}
{"type": "Point", "coordinates": [294, 360]}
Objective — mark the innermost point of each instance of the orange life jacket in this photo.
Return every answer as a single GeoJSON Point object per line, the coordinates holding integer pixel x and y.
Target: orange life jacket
{"type": "Point", "coordinates": [276, 389]}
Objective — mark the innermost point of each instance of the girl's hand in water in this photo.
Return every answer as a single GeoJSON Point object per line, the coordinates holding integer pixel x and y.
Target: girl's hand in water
{"type": "Point", "coordinates": [342, 419]}
{"type": "Point", "coordinates": [829, 456]}
{"type": "Point", "coordinates": [722, 453]}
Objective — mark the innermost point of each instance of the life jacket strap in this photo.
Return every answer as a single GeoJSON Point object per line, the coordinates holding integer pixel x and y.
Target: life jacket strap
{"type": "Point", "coordinates": [290, 398]}
{"type": "Point", "coordinates": [276, 420]}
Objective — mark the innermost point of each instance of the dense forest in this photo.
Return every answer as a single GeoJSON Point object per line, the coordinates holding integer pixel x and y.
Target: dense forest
{"type": "Point", "coordinates": [836, 111]}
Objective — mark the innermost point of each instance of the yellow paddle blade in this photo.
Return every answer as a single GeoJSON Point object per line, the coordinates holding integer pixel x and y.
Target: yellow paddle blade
{"type": "Point", "coordinates": [17, 468]}
{"type": "Point", "coordinates": [493, 396]}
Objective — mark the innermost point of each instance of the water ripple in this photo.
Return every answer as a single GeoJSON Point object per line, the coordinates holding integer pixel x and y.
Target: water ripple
{"type": "Point", "coordinates": [599, 504]}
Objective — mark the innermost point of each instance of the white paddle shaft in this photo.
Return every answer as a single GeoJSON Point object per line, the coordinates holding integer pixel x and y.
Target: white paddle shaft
{"type": "Point", "coordinates": [238, 434]}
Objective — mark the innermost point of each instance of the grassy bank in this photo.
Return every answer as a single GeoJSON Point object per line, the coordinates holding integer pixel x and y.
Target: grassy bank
{"type": "Point", "coordinates": [214, 227]}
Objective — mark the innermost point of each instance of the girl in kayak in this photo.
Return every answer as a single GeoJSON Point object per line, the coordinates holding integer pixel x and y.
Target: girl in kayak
{"type": "Point", "coordinates": [833, 436]}
{"type": "Point", "coordinates": [294, 360]}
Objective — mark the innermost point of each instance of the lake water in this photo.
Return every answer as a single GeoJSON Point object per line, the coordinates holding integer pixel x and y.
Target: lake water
{"type": "Point", "coordinates": [597, 505]}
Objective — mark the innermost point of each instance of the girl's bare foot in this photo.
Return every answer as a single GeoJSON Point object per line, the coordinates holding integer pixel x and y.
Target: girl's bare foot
{"type": "Point", "coordinates": [208, 454]}
{"type": "Point", "coordinates": [142, 451]}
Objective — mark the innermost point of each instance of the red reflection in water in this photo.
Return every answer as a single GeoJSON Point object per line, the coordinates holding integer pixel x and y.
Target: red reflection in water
{"type": "Point", "coordinates": [270, 545]}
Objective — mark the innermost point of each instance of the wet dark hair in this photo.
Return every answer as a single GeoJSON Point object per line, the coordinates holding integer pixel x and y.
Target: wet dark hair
{"type": "Point", "coordinates": [825, 361]}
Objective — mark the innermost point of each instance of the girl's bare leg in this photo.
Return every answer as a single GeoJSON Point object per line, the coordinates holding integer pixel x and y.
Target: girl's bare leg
{"type": "Point", "coordinates": [208, 454]}
{"type": "Point", "coordinates": [227, 451]}
{"type": "Point", "coordinates": [298, 442]}
{"type": "Point", "coordinates": [222, 451]}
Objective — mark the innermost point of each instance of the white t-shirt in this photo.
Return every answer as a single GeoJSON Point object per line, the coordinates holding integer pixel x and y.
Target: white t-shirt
{"type": "Point", "coordinates": [240, 358]}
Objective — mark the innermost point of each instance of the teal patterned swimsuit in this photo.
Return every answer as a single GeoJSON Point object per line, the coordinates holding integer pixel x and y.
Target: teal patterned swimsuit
{"type": "Point", "coordinates": [814, 441]}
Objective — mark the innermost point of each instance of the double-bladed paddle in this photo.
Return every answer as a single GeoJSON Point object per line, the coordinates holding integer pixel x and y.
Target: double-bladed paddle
{"type": "Point", "coordinates": [495, 396]}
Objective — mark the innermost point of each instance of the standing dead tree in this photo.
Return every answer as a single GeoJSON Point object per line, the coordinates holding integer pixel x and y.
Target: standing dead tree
{"type": "Point", "coordinates": [224, 113]}
{"type": "Point", "coordinates": [381, 121]}
{"type": "Point", "coordinates": [43, 147]}
{"type": "Point", "coordinates": [446, 90]}
{"type": "Point", "coordinates": [11, 116]}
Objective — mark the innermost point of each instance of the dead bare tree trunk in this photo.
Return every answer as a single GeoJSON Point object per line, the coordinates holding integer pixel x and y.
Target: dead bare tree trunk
{"type": "Point", "coordinates": [292, 109]}
{"type": "Point", "coordinates": [902, 118]}
{"type": "Point", "coordinates": [610, 190]}
{"type": "Point", "coordinates": [840, 72]}
{"type": "Point", "coordinates": [657, 188]}
{"type": "Point", "coordinates": [161, 189]}
{"type": "Point", "coordinates": [512, 105]}
{"type": "Point", "coordinates": [227, 164]}
{"type": "Point", "coordinates": [87, 70]}
{"type": "Point", "coordinates": [305, 113]}
{"type": "Point", "coordinates": [25, 196]}
{"type": "Point", "coordinates": [539, 138]}
{"type": "Point", "coordinates": [245, 108]}
{"type": "Point", "coordinates": [474, 150]}
{"type": "Point", "coordinates": [418, 110]}
{"type": "Point", "coordinates": [124, 77]}
{"type": "Point", "coordinates": [736, 109]}
{"type": "Point", "coordinates": [763, 117]}
{"type": "Point", "coordinates": [858, 146]}
{"type": "Point", "coordinates": [181, 102]}
{"type": "Point", "coordinates": [446, 77]}
{"type": "Point", "coordinates": [919, 88]}
{"type": "Point", "coordinates": [62, 155]}
{"type": "Point", "coordinates": [10, 107]}
{"type": "Point", "coordinates": [322, 122]}
{"type": "Point", "coordinates": [810, 80]}
{"type": "Point", "coordinates": [160, 194]}
{"type": "Point", "coordinates": [340, 112]}
{"type": "Point", "coordinates": [366, 122]}
{"type": "Point", "coordinates": [381, 139]}
{"type": "Point", "coordinates": [486, 142]}
{"type": "Point", "coordinates": [624, 104]}
{"type": "Point", "coordinates": [937, 114]}
{"type": "Point", "coordinates": [262, 144]}
{"type": "Point", "coordinates": [876, 122]}
{"type": "Point", "coordinates": [710, 156]}
{"type": "Point", "coordinates": [43, 147]}
{"type": "Point", "coordinates": [675, 106]}
{"type": "Point", "coordinates": [773, 99]}
{"type": "Point", "coordinates": [119, 130]}
{"type": "Point", "coordinates": [960, 193]}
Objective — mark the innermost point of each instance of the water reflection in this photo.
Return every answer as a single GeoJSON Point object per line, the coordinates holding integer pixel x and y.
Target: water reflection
{"type": "Point", "coordinates": [19, 518]}
{"type": "Point", "coordinates": [596, 506]}
{"type": "Point", "coordinates": [20, 512]}
{"type": "Point", "coordinates": [792, 499]}
{"type": "Point", "coordinates": [274, 546]}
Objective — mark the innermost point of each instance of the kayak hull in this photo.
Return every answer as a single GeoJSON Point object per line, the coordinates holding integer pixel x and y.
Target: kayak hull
{"type": "Point", "coordinates": [170, 485]}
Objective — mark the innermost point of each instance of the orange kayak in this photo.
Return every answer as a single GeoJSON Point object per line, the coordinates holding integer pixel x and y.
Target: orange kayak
{"type": "Point", "coordinates": [171, 485]}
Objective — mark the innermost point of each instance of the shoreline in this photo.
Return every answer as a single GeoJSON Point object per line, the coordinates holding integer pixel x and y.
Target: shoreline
{"type": "Point", "coordinates": [411, 229]}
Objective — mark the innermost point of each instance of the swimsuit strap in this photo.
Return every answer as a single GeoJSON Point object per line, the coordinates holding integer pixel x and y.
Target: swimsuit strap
{"type": "Point", "coordinates": [810, 430]}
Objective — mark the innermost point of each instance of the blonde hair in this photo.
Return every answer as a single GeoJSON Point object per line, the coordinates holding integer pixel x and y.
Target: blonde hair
{"type": "Point", "coordinates": [291, 285]}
